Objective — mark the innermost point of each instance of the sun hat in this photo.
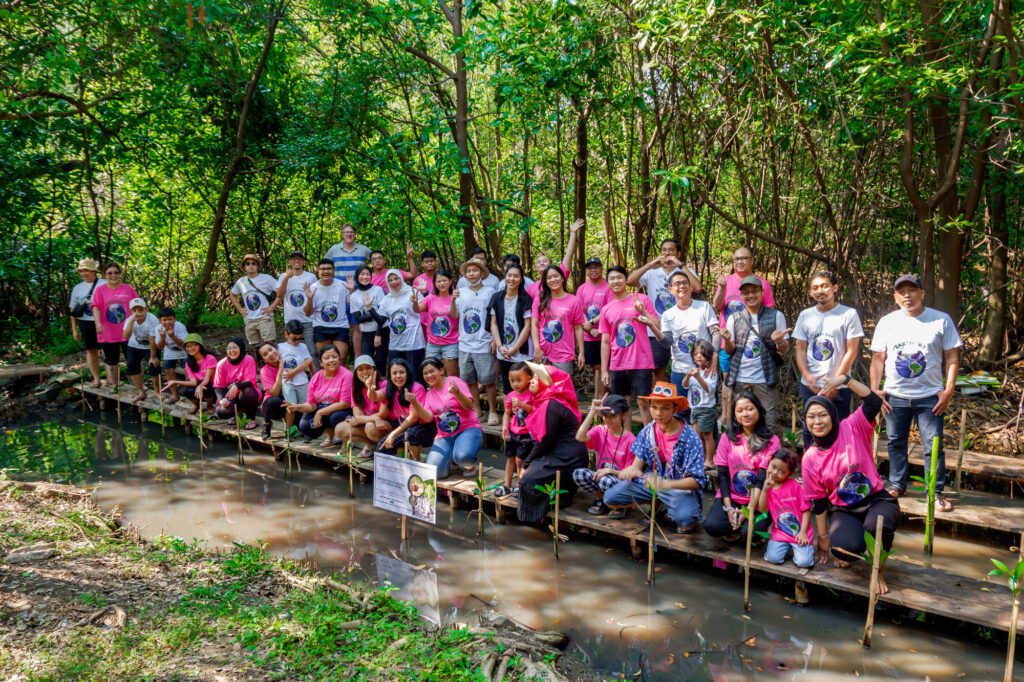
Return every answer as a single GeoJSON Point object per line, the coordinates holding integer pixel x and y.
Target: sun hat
{"type": "Point", "coordinates": [483, 269]}
{"type": "Point", "coordinates": [193, 338]}
{"type": "Point", "coordinates": [666, 392]}
{"type": "Point", "coordinates": [540, 371]}
{"type": "Point", "coordinates": [251, 256]}
{"type": "Point", "coordinates": [88, 264]}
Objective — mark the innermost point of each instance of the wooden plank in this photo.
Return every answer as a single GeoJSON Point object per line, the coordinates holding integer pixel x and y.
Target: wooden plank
{"type": "Point", "coordinates": [997, 466]}
{"type": "Point", "coordinates": [981, 510]}
{"type": "Point", "coordinates": [15, 371]}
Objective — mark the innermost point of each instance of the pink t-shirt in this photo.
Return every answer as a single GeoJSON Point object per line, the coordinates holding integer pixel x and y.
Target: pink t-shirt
{"type": "Point", "coordinates": [423, 283]}
{"type": "Point", "coordinates": [441, 330]}
{"type": "Point", "coordinates": [323, 391]}
{"type": "Point", "coordinates": [666, 443]}
{"type": "Point", "coordinates": [592, 298]}
{"type": "Point", "coordinates": [556, 325]}
{"type": "Point", "coordinates": [533, 289]}
{"type": "Point", "coordinates": [517, 418]}
{"type": "Point", "coordinates": [228, 374]}
{"type": "Point", "coordinates": [786, 505]}
{"type": "Point", "coordinates": [399, 411]}
{"type": "Point", "coordinates": [268, 376]}
{"type": "Point", "coordinates": [381, 280]}
{"type": "Point", "coordinates": [371, 406]}
{"type": "Point", "coordinates": [629, 345]}
{"type": "Point", "coordinates": [208, 362]}
{"type": "Point", "coordinates": [452, 419]}
{"type": "Point", "coordinates": [611, 450]}
{"type": "Point", "coordinates": [845, 473]}
{"type": "Point", "coordinates": [114, 310]}
{"type": "Point", "coordinates": [733, 302]}
{"type": "Point", "coordinates": [742, 465]}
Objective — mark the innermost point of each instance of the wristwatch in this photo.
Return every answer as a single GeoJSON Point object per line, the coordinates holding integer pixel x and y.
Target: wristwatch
{"type": "Point", "coordinates": [847, 379]}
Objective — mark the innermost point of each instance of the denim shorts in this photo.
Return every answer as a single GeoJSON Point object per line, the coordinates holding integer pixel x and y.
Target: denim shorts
{"type": "Point", "coordinates": [293, 393]}
{"type": "Point", "coordinates": [448, 351]}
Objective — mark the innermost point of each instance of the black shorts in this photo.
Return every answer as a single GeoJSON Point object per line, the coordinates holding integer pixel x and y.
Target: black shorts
{"type": "Point", "coordinates": [112, 352]}
{"type": "Point", "coordinates": [518, 446]}
{"type": "Point", "coordinates": [330, 334]}
{"type": "Point", "coordinates": [662, 355]}
{"type": "Point", "coordinates": [592, 353]}
{"type": "Point", "coordinates": [135, 358]}
{"type": "Point", "coordinates": [87, 332]}
{"type": "Point", "coordinates": [632, 382]}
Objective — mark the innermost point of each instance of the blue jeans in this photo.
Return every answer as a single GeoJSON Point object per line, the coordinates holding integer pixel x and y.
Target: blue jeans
{"type": "Point", "coordinates": [842, 403]}
{"type": "Point", "coordinates": [683, 505]}
{"type": "Point", "coordinates": [803, 556]}
{"type": "Point", "coordinates": [897, 429]}
{"type": "Point", "coordinates": [463, 447]}
{"type": "Point", "coordinates": [677, 379]}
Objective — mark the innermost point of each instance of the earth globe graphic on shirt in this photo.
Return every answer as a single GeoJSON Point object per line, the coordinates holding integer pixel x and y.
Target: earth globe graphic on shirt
{"type": "Point", "coordinates": [291, 362]}
{"type": "Point", "coordinates": [398, 323]}
{"type": "Point", "coordinates": [663, 301]}
{"type": "Point", "coordinates": [448, 422]}
{"type": "Point", "coordinates": [252, 300]}
{"type": "Point", "coordinates": [733, 307]}
{"type": "Point", "coordinates": [440, 326]}
{"type": "Point", "coordinates": [788, 523]}
{"type": "Point", "coordinates": [520, 416]}
{"type": "Point", "coordinates": [329, 313]}
{"type": "Point", "coordinates": [686, 342]}
{"type": "Point", "coordinates": [910, 365]}
{"type": "Point", "coordinates": [471, 323]}
{"type": "Point", "coordinates": [853, 487]}
{"type": "Point", "coordinates": [625, 335]}
{"type": "Point", "coordinates": [297, 299]}
{"type": "Point", "coordinates": [753, 348]}
{"type": "Point", "coordinates": [116, 313]}
{"type": "Point", "coordinates": [743, 481]}
{"type": "Point", "coordinates": [508, 333]}
{"type": "Point", "coordinates": [593, 312]}
{"type": "Point", "coordinates": [552, 331]}
{"type": "Point", "coordinates": [823, 348]}
{"type": "Point", "coordinates": [696, 393]}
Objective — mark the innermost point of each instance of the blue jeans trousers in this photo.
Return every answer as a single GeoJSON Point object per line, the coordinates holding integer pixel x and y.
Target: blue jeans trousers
{"type": "Point", "coordinates": [897, 429]}
{"type": "Point", "coordinates": [462, 447]}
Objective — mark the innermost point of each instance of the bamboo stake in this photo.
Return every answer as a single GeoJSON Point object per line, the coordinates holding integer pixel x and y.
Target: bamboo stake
{"type": "Point", "coordinates": [81, 388]}
{"type": "Point", "coordinates": [480, 500]}
{"type": "Point", "coordinates": [929, 524]}
{"type": "Point", "coordinates": [874, 443]}
{"type": "Point", "coordinates": [873, 589]}
{"type": "Point", "coordinates": [117, 393]}
{"type": "Point", "coordinates": [405, 519]}
{"type": "Point", "coordinates": [960, 457]}
{"type": "Point", "coordinates": [554, 531]}
{"type": "Point", "coordinates": [202, 411]}
{"type": "Point", "coordinates": [1008, 673]}
{"type": "Point", "coordinates": [160, 400]}
{"type": "Point", "coordinates": [793, 429]}
{"type": "Point", "coordinates": [650, 539]}
{"type": "Point", "coordinates": [751, 512]}
{"type": "Point", "coordinates": [351, 480]}
{"type": "Point", "coordinates": [238, 433]}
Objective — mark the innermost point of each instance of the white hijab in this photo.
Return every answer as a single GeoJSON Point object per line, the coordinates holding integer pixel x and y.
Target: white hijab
{"type": "Point", "coordinates": [404, 290]}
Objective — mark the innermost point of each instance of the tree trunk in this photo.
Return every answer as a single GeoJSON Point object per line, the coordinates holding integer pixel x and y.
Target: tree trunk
{"type": "Point", "coordinates": [992, 347]}
{"type": "Point", "coordinates": [199, 292]}
{"type": "Point", "coordinates": [579, 200]}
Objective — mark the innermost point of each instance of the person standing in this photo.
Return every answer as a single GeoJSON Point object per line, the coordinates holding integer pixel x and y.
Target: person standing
{"type": "Point", "coordinates": [326, 301]}
{"type": "Point", "coordinates": [110, 309]}
{"type": "Point", "coordinates": [424, 282]}
{"type": "Point", "coordinates": [593, 294]}
{"type": "Point", "coordinates": [406, 333]}
{"type": "Point", "coordinates": [439, 328]}
{"type": "Point", "coordinates": [380, 269]}
{"type": "Point", "coordinates": [346, 256]}
{"type": "Point", "coordinates": [292, 294]}
{"type": "Point", "coordinates": [510, 324]}
{"type": "Point", "coordinates": [756, 337]}
{"type": "Point", "coordinates": [558, 332]}
{"type": "Point", "coordinates": [139, 333]}
{"type": "Point", "coordinates": [476, 355]}
{"type": "Point", "coordinates": [169, 339]}
{"type": "Point", "coordinates": [251, 296]}
{"type": "Point", "coordinates": [909, 349]}
{"type": "Point", "coordinates": [369, 329]}
{"type": "Point", "coordinates": [83, 324]}
{"type": "Point", "coordinates": [542, 262]}
{"type": "Point", "coordinates": [685, 323]}
{"type": "Point", "coordinates": [827, 339]}
{"type": "Point", "coordinates": [488, 279]}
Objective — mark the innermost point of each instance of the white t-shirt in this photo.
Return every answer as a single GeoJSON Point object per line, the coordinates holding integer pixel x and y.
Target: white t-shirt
{"type": "Point", "coordinates": [826, 334]}
{"type": "Point", "coordinates": [329, 305]}
{"type": "Point", "coordinates": [80, 294]}
{"type": "Point", "coordinates": [501, 284]}
{"type": "Point", "coordinates": [489, 281]}
{"type": "Point", "coordinates": [295, 296]}
{"type": "Point", "coordinates": [172, 351]}
{"type": "Point", "coordinates": [913, 348]}
{"type": "Point", "coordinates": [474, 334]}
{"type": "Point", "coordinates": [695, 392]}
{"type": "Point", "coordinates": [750, 371]}
{"type": "Point", "coordinates": [372, 298]}
{"type": "Point", "coordinates": [142, 332]}
{"type": "Point", "coordinates": [655, 282]}
{"type": "Point", "coordinates": [255, 298]}
{"type": "Point", "coordinates": [403, 322]}
{"type": "Point", "coordinates": [508, 332]}
{"type": "Point", "coordinates": [292, 357]}
{"type": "Point", "coordinates": [687, 326]}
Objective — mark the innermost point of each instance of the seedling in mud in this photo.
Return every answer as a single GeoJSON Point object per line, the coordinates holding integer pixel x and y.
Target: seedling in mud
{"type": "Point", "coordinates": [928, 482]}
{"type": "Point", "coordinates": [553, 492]}
{"type": "Point", "coordinates": [1013, 581]}
{"type": "Point", "coordinates": [479, 491]}
{"type": "Point", "coordinates": [869, 554]}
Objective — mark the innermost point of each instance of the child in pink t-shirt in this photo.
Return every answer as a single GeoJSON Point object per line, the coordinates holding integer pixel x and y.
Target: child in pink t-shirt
{"type": "Point", "coordinates": [790, 513]}
{"type": "Point", "coordinates": [612, 443]}
{"type": "Point", "coordinates": [518, 405]}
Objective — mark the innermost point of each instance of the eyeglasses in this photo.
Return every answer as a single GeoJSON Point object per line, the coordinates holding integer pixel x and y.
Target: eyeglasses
{"type": "Point", "coordinates": [739, 258]}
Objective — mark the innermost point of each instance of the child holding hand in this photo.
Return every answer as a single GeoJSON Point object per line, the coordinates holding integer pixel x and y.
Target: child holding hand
{"type": "Point", "coordinates": [518, 405]}
{"type": "Point", "coordinates": [790, 513]}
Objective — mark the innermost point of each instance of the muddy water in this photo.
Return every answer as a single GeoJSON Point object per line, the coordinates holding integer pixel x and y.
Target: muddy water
{"type": "Point", "coordinates": [689, 625]}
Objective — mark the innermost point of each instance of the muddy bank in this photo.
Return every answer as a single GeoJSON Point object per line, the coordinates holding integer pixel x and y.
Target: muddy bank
{"type": "Point", "coordinates": [82, 595]}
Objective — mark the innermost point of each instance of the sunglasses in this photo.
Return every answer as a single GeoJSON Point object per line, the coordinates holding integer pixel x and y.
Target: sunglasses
{"type": "Point", "coordinates": [664, 391]}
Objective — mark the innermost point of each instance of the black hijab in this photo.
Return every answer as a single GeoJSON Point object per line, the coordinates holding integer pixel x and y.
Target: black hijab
{"type": "Point", "coordinates": [826, 441]}
{"type": "Point", "coordinates": [240, 342]}
{"type": "Point", "coordinates": [363, 287]}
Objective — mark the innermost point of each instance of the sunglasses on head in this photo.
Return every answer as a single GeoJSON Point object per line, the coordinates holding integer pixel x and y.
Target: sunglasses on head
{"type": "Point", "coordinates": [664, 391]}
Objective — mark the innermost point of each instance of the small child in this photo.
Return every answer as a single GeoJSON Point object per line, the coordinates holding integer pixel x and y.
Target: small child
{"type": "Point", "coordinates": [790, 513]}
{"type": "Point", "coordinates": [140, 330]}
{"type": "Point", "coordinates": [612, 443]}
{"type": "Point", "coordinates": [295, 360]}
{"type": "Point", "coordinates": [169, 338]}
{"type": "Point", "coordinates": [700, 385]}
{"type": "Point", "coordinates": [518, 404]}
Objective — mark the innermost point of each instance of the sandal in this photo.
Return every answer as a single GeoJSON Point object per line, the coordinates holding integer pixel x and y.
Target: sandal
{"type": "Point", "coordinates": [599, 508]}
{"type": "Point", "coordinates": [692, 528]}
{"type": "Point", "coordinates": [617, 514]}
{"type": "Point", "coordinates": [942, 504]}
{"type": "Point", "coordinates": [328, 442]}
{"type": "Point", "coordinates": [502, 491]}
{"type": "Point", "coordinates": [251, 424]}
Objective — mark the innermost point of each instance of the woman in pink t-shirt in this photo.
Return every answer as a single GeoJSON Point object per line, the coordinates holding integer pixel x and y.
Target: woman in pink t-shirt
{"type": "Point", "coordinates": [441, 331]}
{"type": "Point", "coordinates": [367, 425]}
{"type": "Point", "coordinates": [398, 394]}
{"type": "Point", "coordinates": [273, 405]}
{"type": "Point", "coordinates": [612, 444]}
{"type": "Point", "coordinates": [327, 397]}
{"type": "Point", "coordinates": [110, 309]}
{"type": "Point", "coordinates": [840, 478]}
{"type": "Point", "coordinates": [449, 404]}
{"type": "Point", "coordinates": [200, 366]}
{"type": "Point", "coordinates": [740, 460]}
{"type": "Point", "coordinates": [234, 382]}
{"type": "Point", "coordinates": [557, 331]}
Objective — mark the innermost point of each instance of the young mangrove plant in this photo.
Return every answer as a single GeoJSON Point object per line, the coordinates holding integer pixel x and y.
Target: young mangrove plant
{"type": "Point", "coordinates": [1013, 581]}
{"type": "Point", "coordinates": [553, 492]}
{"type": "Point", "coordinates": [928, 485]}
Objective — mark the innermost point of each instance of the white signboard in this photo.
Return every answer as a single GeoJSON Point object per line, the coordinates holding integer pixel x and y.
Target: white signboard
{"type": "Point", "coordinates": [405, 486]}
{"type": "Point", "coordinates": [415, 584]}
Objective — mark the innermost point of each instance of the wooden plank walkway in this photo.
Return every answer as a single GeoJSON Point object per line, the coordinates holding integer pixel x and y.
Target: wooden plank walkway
{"type": "Point", "coordinates": [912, 586]}
{"type": "Point", "coordinates": [16, 371]}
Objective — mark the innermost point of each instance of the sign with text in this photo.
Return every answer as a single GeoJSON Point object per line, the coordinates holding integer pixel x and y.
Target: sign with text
{"type": "Point", "coordinates": [405, 486]}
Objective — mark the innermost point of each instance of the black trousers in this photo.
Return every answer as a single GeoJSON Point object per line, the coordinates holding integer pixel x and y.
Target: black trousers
{"type": "Point", "coordinates": [716, 522]}
{"type": "Point", "coordinates": [247, 401]}
{"type": "Point", "coordinates": [848, 524]}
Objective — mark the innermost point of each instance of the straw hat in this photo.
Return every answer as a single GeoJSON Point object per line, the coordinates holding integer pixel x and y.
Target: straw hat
{"type": "Point", "coordinates": [540, 371]}
{"type": "Point", "coordinates": [483, 268]}
{"type": "Point", "coordinates": [88, 264]}
{"type": "Point", "coordinates": [665, 392]}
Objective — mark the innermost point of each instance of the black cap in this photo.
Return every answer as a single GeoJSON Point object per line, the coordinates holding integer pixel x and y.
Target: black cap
{"type": "Point", "coordinates": [293, 254]}
{"type": "Point", "coordinates": [752, 280]}
{"type": "Point", "coordinates": [907, 279]}
{"type": "Point", "coordinates": [592, 261]}
{"type": "Point", "coordinates": [614, 404]}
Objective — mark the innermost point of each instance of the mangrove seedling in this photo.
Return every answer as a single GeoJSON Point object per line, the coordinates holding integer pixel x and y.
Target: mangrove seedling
{"type": "Point", "coordinates": [479, 491]}
{"type": "Point", "coordinates": [747, 514]}
{"type": "Point", "coordinates": [1013, 579]}
{"type": "Point", "coordinates": [553, 492]}
{"type": "Point", "coordinates": [928, 485]}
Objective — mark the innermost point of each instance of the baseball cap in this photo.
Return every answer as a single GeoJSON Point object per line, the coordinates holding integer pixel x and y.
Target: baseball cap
{"type": "Point", "coordinates": [293, 254]}
{"type": "Point", "coordinates": [363, 360]}
{"type": "Point", "coordinates": [592, 261]}
{"type": "Point", "coordinates": [751, 279]}
{"type": "Point", "coordinates": [136, 303]}
{"type": "Point", "coordinates": [907, 279]}
{"type": "Point", "coordinates": [614, 404]}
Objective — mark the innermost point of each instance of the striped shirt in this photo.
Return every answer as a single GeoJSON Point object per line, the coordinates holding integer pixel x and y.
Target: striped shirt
{"type": "Point", "coordinates": [347, 262]}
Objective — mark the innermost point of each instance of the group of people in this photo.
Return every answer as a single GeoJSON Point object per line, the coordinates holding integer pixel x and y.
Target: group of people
{"type": "Point", "coordinates": [428, 347]}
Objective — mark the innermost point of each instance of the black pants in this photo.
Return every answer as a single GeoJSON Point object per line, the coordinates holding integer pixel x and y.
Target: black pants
{"type": "Point", "coordinates": [380, 353]}
{"type": "Point", "coordinates": [504, 366]}
{"type": "Point", "coordinates": [330, 421]}
{"type": "Point", "coordinates": [848, 525]}
{"type": "Point", "coordinates": [273, 408]}
{"type": "Point", "coordinates": [534, 504]}
{"type": "Point", "coordinates": [716, 523]}
{"type": "Point", "coordinates": [246, 401]}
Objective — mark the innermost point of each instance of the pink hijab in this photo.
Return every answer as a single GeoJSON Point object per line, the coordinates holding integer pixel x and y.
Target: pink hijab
{"type": "Point", "coordinates": [560, 390]}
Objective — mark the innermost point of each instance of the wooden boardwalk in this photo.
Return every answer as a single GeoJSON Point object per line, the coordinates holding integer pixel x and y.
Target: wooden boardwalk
{"type": "Point", "coordinates": [942, 593]}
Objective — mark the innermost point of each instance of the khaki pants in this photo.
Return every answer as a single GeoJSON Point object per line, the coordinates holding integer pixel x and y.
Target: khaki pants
{"type": "Point", "coordinates": [261, 329]}
{"type": "Point", "coordinates": [770, 399]}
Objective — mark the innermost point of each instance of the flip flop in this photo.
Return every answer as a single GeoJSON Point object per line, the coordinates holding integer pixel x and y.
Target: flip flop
{"type": "Point", "coordinates": [942, 504]}
{"type": "Point", "coordinates": [251, 425]}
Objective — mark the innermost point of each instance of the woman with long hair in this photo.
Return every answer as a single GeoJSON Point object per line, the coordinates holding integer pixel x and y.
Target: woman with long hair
{"type": "Point", "coordinates": [441, 329]}
{"type": "Point", "coordinates": [200, 366]}
{"type": "Point", "coordinates": [409, 426]}
{"type": "Point", "coordinates": [511, 322]}
{"type": "Point", "coordinates": [448, 403]}
{"type": "Point", "coordinates": [370, 336]}
{"type": "Point", "coordinates": [557, 330]}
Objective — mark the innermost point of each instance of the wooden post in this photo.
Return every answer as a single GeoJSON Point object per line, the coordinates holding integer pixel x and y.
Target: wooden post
{"type": "Point", "coordinates": [238, 433]}
{"type": "Point", "coordinates": [202, 413]}
{"type": "Point", "coordinates": [160, 400]}
{"type": "Point", "coordinates": [960, 456]}
{"type": "Point", "coordinates": [793, 429]}
{"type": "Point", "coordinates": [554, 529]}
{"type": "Point", "coordinates": [351, 481]}
{"type": "Point", "coordinates": [873, 589]}
{"type": "Point", "coordinates": [929, 524]}
{"type": "Point", "coordinates": [1008, 673]}
{"type": "Point", "coordinates": [405, 519]}
{"type": "Point", "coordinates": [117, 394]}
{"type": "Point", "coordinates": [751, 514]}
{"type": "Point", "coordinates": [81, 388]}
{"type": "Point", "coordinates": [480, 499]}
{"type": "Point", "coordinates": [650, 539]}
{"type": "Point", "coordinates": [874, 443]}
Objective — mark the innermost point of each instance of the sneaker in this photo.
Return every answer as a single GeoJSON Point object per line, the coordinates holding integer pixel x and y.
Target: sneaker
{"type": "Point", "coordinates": [599, 508]}
{"type": "Point", "coordinates": [616, 514]}
{"type": "Point", "coordinates": [515, 492]}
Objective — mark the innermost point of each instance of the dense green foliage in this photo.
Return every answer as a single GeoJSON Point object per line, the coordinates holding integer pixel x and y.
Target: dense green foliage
{"type": "Point", "coordinates": [870, 138]}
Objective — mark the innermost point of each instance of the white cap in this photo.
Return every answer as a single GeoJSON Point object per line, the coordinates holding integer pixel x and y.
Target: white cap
{"type": "Point", "coordinates": [136, 303]}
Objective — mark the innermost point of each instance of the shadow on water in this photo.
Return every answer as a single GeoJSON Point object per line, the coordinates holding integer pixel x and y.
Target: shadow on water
{"type": "Point", "coordinates": [689, 625]}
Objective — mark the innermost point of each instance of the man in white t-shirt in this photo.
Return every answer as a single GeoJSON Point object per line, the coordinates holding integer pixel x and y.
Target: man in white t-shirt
{"type": "Point", "coordinates": [685, 323]}
{"type": "Point", "coordinates": [251, 297]}
{"type": "Point", "coordinates": [756, 337]}
{"type": "Point", "coordinates": [909, 349]}
{"type": "Point", "coordinates": [476, 346]}
{"type": "Point", "coordinates": [291, 292]}
{"type": "Point", "coordinates": [653, 277]}
{"type": "Point", "coordinates": [83, 327]}
{"type": "Point", "coordinates": [489, 279]}
{"type": "Point", "coordinates": [827, 338]}
{"type": "Point", "coordinates": [326, 302]}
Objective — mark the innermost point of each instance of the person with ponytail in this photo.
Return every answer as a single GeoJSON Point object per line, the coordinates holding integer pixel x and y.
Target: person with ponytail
{"type": "Point", "coordinates": [440, 328]}
{"type": "Point", "coordinates": [367, 425]}
{"type": "Point", "coordinates": [234, 382]}
{"type": "Point", "coordinates": [400, 395]}
{"type": "Point", "coordinates": [271, 376]}
{"type": "Point", "coordinates": [558, 329]}
{"type": "Point", "coordinates": [510, 323]}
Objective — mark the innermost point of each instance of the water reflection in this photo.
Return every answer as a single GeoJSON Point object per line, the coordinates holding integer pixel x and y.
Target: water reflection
{"type": "Point", "coordinates": [689, 625]}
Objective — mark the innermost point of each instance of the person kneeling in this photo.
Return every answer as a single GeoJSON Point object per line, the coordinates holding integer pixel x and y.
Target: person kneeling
{"type": "Point", "coordinates": [790, 513]}
{"type": "Point", "coordinates": [611, 442]}
{"type": "Point", "coordinates": [668, 457]}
